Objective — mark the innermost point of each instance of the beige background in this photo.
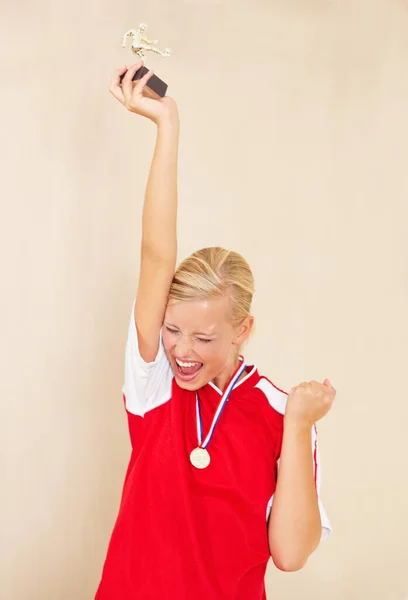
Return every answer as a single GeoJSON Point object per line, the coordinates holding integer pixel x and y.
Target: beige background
{"type": "Point", "coordinates": [294, 153]}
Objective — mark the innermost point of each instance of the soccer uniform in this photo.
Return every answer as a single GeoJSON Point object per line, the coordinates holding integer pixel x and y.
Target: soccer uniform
{"type": "Point", "coordinates": [186, 533]}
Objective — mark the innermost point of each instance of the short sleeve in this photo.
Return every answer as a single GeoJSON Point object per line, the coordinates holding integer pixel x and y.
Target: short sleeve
{"type": "Point", "coordinates": [146, 385]}
{"type": "Point", "coordinates": [326, 527]}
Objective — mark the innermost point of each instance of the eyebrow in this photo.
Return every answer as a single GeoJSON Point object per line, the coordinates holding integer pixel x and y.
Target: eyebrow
{"type": "Point", "coordinates": [195, 333]}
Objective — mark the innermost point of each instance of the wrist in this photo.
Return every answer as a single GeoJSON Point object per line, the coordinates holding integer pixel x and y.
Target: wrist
{"type": "Point", "coordinates": [168, 121]}
{"type": "Point", "coordinates": [296, 426]}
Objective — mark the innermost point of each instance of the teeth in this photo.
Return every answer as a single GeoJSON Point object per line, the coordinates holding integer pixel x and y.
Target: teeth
{"type": "Point", "coordinates": [186, 364]}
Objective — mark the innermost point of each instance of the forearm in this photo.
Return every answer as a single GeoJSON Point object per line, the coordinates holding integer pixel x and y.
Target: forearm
{"type": "Point", "coordinates": [159, 221]}
{"type": "Point", "coordinates": [295, 525]}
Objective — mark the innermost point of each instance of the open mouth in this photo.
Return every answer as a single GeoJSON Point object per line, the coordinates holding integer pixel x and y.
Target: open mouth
{"type": "Point", "coordinates": [187, 371]}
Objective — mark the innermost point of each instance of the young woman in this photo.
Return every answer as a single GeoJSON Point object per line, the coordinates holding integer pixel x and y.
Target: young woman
{"type": "Point", "coordinates": [208, 433]}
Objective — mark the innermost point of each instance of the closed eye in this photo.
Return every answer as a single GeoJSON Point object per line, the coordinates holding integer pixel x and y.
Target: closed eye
{"type": "Point", "coordinates": [171, 330]}
{"type": "Point", "coordinates": [203, 340]}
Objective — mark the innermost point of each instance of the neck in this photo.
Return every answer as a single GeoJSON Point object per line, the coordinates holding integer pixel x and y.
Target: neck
{"type": "Point", "coordinates": [223, 378]}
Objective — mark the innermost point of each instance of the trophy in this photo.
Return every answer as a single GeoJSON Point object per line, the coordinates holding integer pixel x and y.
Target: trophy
{"type": "Point", "coordinates": [155, 87]}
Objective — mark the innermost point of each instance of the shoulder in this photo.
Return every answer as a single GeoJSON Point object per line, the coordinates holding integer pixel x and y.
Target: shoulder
{"type": "Point", "coordinates": [276, 398]}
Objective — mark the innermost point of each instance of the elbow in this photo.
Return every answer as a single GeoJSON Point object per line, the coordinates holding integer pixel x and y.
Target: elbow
{"type": "Point", "coordinates": [290, 554]}
{"type": "Point", "coordinates": [159, 253]}
{"type": "Point", "coordinates": [289, 564]}
{"type": "Point", "coordinates": [288, 559]}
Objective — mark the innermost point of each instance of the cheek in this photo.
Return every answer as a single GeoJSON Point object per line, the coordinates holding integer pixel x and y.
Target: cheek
{"type": "Point", "coordinates": [205, 351]}
{"type": "Point", "coordinates": [167, 338]}
{"type": "Point", "coordinates": [213, 354]}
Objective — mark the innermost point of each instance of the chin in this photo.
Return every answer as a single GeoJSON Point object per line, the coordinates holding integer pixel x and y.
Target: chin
{"type": "Point", "coordinates": [190, 387]}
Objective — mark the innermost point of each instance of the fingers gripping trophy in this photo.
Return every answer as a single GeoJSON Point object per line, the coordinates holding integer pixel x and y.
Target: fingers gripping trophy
{"type": "Point", "coordinates": [156, 88]}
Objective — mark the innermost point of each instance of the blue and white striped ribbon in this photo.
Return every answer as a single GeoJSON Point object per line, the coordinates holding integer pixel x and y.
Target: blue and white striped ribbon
{"type": "Point", "coordinates": [219, 410]}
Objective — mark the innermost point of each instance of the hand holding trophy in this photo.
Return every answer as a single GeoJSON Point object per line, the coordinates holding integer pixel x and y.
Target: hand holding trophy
{"type": "Point", "coordinates": [138, 88]}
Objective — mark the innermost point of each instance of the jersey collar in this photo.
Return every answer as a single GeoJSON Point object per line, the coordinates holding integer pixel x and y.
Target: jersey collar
{"type": "Point", "coordinates": [246, 383]}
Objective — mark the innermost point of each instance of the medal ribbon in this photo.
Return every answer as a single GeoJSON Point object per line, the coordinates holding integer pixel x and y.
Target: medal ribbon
{"type": "Point", "coordinates": [219, 410]}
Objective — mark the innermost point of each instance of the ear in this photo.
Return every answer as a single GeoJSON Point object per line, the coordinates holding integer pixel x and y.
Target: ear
{"type": "Point", "coordinates": [243, 331]}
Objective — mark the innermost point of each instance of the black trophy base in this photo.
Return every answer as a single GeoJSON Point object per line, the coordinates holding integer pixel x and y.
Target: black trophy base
{"type": "Point", "coordinates": [155, 88]}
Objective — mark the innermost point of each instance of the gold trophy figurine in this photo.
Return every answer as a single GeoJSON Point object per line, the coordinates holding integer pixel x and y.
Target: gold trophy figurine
{"type": "Point", "coordinates": [155, 87]}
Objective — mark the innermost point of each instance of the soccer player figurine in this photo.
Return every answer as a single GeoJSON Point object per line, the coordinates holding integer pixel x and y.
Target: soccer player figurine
{"type": "Point", "coordinates": [224, 472]}
{"type": "Point", "coordinates": [140, 44]}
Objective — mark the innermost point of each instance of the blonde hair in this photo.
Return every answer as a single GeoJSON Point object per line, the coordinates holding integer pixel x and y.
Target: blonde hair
{"type": "Point", "coordinates": [212, 272]}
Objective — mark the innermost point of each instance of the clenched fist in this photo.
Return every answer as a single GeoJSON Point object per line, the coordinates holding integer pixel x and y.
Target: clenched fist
{"type": "Point", "coordinates": [308, 402]}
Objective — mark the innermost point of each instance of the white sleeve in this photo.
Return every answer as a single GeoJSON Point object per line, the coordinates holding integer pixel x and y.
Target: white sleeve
{"type": "Point", "coordinates": [147, 385]}
{"type": "Point", "coordinates": [326, 527]}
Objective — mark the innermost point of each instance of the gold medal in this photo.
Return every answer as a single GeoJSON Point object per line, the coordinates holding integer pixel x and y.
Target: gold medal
{"type": "Point", "coordinates": [199, 458]}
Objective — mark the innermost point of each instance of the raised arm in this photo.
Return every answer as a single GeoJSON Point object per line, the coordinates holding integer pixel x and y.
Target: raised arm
{"type": "Point", "coordinates": [159, 222]}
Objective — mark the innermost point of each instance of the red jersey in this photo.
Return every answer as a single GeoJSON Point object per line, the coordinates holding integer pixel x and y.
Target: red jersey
{"type": "Point", "coordinates": [184, 533]}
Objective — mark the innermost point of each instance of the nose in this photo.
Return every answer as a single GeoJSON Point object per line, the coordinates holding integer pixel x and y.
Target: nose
{"type": "Point", "coordinates": [183, 347]}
